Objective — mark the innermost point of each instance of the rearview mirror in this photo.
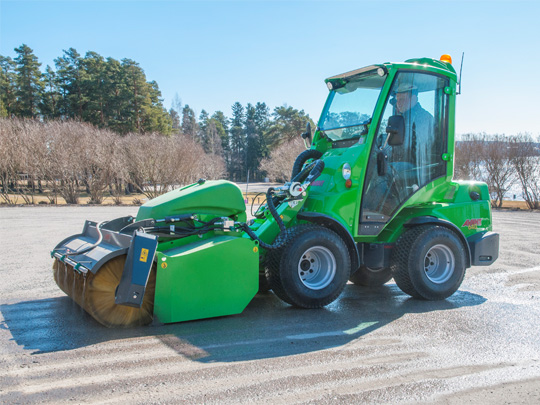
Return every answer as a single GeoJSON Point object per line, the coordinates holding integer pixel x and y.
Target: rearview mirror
{"type": "Point", "coordinates": [307, 135]}
{"type": "Point", "coordinates": [396, 130]}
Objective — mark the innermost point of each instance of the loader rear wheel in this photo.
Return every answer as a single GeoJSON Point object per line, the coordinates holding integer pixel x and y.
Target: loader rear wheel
{"type": "Point", "coordinates": [96, 293]}
{"type": "Point", "coordinates": [311, 269]}
{"type": "Point", "coordinates": [429, 262]}
{"type": "Point", "coordinates": [368, 277]}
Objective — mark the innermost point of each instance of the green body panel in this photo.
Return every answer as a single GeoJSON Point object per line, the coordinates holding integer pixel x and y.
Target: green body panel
{"type": "Point", "coordinates": [206, 278]}
{"type": "Point", "coordinates": [329, 195]}
{"type": "Point", "coordinates": [442, 198]}
{"type": "Point", "coordinates": [449, 201]}
{"type": "Point", "coordinates": [208, 275]}
{"type": "Point", "coordinates": [217, 198]}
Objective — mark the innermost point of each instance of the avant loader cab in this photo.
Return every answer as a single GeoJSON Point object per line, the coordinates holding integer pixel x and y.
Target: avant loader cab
{"type": "Point", "coordinates": [371, 199]}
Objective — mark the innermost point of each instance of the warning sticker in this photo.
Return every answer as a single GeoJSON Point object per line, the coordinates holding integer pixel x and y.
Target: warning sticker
{"type": "Point", "coordinates": [144, 255]}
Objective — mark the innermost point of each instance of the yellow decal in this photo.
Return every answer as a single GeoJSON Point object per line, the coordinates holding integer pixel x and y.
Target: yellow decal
{"type": "Point", "coordinates": [144, 255]}
{"type": "Point", "coordinates": [255, 249]}
{"type": "Point", "coordinates": [163, 265]}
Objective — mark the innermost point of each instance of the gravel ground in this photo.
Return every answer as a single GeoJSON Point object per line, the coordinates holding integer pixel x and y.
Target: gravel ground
{"type": "Point", "coordinates": [482, 345]}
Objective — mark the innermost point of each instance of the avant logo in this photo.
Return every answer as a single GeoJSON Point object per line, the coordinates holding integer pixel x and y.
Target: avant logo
{"type": "Point", "coordinates": [472, 223]}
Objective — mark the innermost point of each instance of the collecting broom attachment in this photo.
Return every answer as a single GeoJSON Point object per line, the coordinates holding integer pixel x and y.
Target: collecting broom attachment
{"type": "Point", "coordinates": [88, 267]}
{"type": "Point", "coordinates": [96, 293]}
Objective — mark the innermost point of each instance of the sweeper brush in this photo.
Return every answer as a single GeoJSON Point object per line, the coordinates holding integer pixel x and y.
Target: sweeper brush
{"type": "Point", "coordinates": [96, 293]}
{"type": "Point", "coordinates": [371, 199]}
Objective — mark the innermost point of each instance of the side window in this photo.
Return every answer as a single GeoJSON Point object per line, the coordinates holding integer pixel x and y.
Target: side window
{"type": "Point", "coordinates": [420, 99]}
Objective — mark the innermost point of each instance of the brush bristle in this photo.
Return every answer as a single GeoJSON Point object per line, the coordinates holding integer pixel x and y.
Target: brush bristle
{"type": "Point", "coordinates": [96, 293]}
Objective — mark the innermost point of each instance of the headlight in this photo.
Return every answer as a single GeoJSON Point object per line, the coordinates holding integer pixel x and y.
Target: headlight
{"type": "Point", "coordinates": [346, 171]}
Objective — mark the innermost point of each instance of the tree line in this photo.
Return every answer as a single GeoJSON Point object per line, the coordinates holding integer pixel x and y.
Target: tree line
{"type": "Point", "coordinates": [64, 159]}
{"type": "Point", "coordinates": [502, 162]}
{"type": "Point", "coordinates": [104, 92]}
{"type": "Point", "coordinates": [115, 95]}
{"type": "Point", "coordinates": [97, 123]}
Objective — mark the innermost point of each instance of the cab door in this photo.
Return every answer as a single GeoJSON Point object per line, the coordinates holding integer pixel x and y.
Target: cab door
{"type": "Point", "coordinates": [396, 172]}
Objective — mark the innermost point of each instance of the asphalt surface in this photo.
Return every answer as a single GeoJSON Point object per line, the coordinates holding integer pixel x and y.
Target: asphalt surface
{"type": "Point", "coordinates": [482, 345]}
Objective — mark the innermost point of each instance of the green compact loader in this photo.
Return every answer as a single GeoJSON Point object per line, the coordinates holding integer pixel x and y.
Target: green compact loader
{"type": "Point", "coordinates": [372, 198]}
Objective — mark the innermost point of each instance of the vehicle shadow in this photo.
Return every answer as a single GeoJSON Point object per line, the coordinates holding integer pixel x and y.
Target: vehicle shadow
{"type": "Point", "coordinates": [267, 328]}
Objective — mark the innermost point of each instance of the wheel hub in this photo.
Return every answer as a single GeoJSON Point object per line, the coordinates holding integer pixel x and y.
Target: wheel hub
{"type": "Point", "coordinates": [439, 264]}
{"type": "Point", "coordinates": [317, 267]}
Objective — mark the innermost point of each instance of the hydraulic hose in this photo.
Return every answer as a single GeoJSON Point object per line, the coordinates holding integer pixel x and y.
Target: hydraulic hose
{"type": "Point", "coordinates": [264, 245]}
{"type": "Point", "coordinates": [273, 210]}
{"type": "Point", "coordinates": [275, 215]}
{"type": "Point", "coordinates": [87, 249]}
{"type": "Point", "coordinates": [302, 158]}
{"type": "Point", "coordinates": [316, 171]}
{"type": "Point", "coordinates": [312, 171]}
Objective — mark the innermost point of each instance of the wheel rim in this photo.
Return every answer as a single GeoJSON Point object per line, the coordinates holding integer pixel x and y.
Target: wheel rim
{"type": "Point", "coordinates": [317, 268]}
{"type": "Point", "coordinates": [439, 264]}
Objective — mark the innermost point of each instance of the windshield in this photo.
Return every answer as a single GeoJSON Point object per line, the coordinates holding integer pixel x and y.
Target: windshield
{"type": "Point", "coordinates": [351, 107]}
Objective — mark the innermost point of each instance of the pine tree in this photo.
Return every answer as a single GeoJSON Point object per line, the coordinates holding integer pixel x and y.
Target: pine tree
{"type": "Point", "coordinates": [251, 141]}
{"type": "Point", "coordinates": [202, 133]}
{"type": "Point", "coordinates": [288, 124]}
{"type": "Point", "coordinates": [237, 142]}
{"type": "Point", "coordinates": [29, 82]}
{"type": "Point", "coordinates": [155, 116]}
{"type": "Point", "coordinates": [114, 90]}
{"type": "Point", "coordinates": [221, 123]}
{"type": "Point", "coordinates": [8, 86]}
{"type": "Point", "coordinates": [93, 86]}
{"type": "Point", "coordinates": [70, 71]}
{"type": "Point", "coordinates": [51, 96]}
{"type": "Point", "coordinates": [136, 91]}
{"type": "Point", "coordinates": [175, 119]}
{"type": "Point", "coordinates": [262, 123]}
{"type": "Point", "coordinates": [189, 123]}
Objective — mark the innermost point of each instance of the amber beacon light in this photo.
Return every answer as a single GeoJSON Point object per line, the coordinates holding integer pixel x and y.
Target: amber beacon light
{"type": "Point", "coordinates": [446, 58]}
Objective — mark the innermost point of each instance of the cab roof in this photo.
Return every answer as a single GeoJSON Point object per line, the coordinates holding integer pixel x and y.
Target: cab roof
{"type": "Point", "coordinates": [415, 63]}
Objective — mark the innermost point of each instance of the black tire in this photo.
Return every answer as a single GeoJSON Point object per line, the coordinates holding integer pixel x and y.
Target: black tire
{"type": "Point", "coordinates": [429, 262]}
{"type": "Point", "coordinates": [311, 269]}
{"type": "Point", "coordinates": [264, 285]}
{"type": "Point", "coordinates": [369, 277]}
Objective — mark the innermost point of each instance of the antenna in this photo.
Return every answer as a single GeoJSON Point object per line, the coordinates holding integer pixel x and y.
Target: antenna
{"type": "Point", "coordinates": [460, 69]}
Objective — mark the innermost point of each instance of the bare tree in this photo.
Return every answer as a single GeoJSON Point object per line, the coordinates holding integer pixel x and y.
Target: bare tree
{"type": "Point", "coordinates": [525, 158]}
{"type": "Point", "coordinates": [119, 168]}
{"type": "Point", "coordinates": [157, 163]}
{"type": "Point", "coordinates": [9, 165]}
{"type": "Point", "coordinates": [65, 148]}
{"type": "Point", "coordinates": [97, 146]}
{"type": "Point", "coordinates": [468, 160]}
{"type": "Point", "coordinates": [279, 165]}
{"type": "Point", "coordinates": [499, 171]}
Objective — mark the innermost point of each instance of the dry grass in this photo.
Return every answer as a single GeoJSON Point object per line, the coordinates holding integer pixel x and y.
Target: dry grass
{"type": "Point", "coordinates": [83, 200]}
{"type": "Point", "coordinates": [519, 205]}
{"type": "Point", "coordinates": [258, 197]}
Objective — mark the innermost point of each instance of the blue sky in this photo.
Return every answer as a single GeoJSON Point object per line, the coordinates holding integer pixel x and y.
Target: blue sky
{"type": "Point", "coordinates": [213, 53]}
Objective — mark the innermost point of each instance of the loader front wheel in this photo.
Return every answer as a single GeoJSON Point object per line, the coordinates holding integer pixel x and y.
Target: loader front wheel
{"type": "Point", "coordinates": [100, 294]}
{"type": "Point", "coordinates": [311, 269]}
{"type": "Point", "coordinates": [429, 262]}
